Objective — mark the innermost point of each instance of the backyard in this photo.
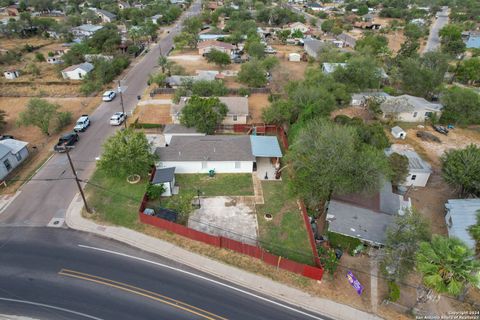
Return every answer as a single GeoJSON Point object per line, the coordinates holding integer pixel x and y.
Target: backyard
{"type": "Point", "coordinates": [285, 233]}
{"type": "Point", "coordinates": [236, 184]}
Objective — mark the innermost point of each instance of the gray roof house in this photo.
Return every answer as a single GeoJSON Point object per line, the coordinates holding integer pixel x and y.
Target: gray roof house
{"type": "Point", "coordinates": [328, 67]}
{"type": "Point", "coordinates": [85, 30]}
{"type": "Point", "coordinates": [172, 130]}
{"type": "Point", "coordinates": [361, 98]}
{"type": "Point", "coordinates": [366, 217]}
{"type": "Point", "coordinates": [461, 214]}
{"type": "Point", "coordinates": [409, 108]}
{"type": "Point", "coordinates": [313, 47]}
{"type": "Point", "coordinates": [12, 153]}
{"type": "Point", "coordinates": [418, 169]}
{"type": "Point", "coordinates": [348, 40]}
{"type": "Point", "coordinates": [105, 15]}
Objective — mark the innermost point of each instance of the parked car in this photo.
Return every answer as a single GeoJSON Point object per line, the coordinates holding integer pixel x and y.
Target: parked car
{"type": "Point", "coordinates": [6, 136]}
{"type": "Point", "coordinates": [82, 123]}
{"type": "Point", "coordinates": [441, 129]}
{"type": "Point", "coordinates": [118, 118]}
{"type": "Point", "coordinates": [66, 141]}
{"type": "Point", "coordinates": [109, 95]}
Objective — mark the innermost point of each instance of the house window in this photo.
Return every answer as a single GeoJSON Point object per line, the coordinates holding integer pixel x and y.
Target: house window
{"type": "Point", "coordinates": [204, 164]}
{"type": "Point", "coordinates": [18, 156]}
{"type": "Point", "coordinates": [79, 75]}
{"type": "Point", "coordinates": [237, 165]}
{"type": "Point", "coordinates": [414, 177]}
{"type": "Point", "coordinates": [235, 118]}
{"type": "Point", "coordinates": [415, 114]}
{"type": "Point", "coordinates": [7, 165]}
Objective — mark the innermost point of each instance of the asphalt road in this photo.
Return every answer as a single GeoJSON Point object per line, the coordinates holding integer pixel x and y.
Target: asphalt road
{"type": "Point", "coordinates": [45, 274]}
{"type": "Point", "coordinates": [39, 201]}
{"type": "Point", "coordinates": [433, 42]}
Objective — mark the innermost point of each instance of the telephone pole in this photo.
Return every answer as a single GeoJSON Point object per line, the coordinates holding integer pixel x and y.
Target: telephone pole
{"type": "Point", "coordinates": [77, 180]}
{"type": "Point", "coordinates": [121, 102]}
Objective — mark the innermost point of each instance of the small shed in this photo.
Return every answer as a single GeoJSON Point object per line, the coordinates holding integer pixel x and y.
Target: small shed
{"type": "Point", "coordinates": [165, 177]}
{"type": "Point", "coordinates": [11, 74]}
{"type": "Point", "coordinates": [294, 57]}
{"type": "Point", "coordinates": [398, 133]}
{"type": "Point", "coordinates": [54, 60]}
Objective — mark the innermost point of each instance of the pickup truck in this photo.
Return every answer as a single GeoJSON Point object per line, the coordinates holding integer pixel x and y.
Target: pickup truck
{"type": "Point", "coordinates": [66, 141]}
{"type": "Point", "coordinates": [82, 123]}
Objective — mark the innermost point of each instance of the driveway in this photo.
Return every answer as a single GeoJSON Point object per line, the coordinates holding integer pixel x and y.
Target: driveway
{"type": "Point", "coordinates": [441, 20]}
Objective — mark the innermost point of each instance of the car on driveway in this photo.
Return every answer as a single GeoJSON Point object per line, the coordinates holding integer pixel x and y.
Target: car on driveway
{"type": "Point", "coordinates": [65, 141]}
{"type": "Point", "coordinates": [109, 95]}
{"type": "Point", "coordinates": [441, 129]}
{"type": "Point", "coordinates": [118, 118]}
{"type": "Point", "coordinates": [82, 123]}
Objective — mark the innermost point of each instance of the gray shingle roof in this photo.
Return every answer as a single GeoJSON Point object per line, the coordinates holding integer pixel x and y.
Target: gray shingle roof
{"type": "Point", "coordinates": [407, 103]}
{"type": "Point", "coordinates": [178, 128]}
{"type": "Point", "coordinates": [163, 175]}
{"type": "Point", "coordinates": [207, 148]}
{"type": "Point", "coordinates": [4, 151]}
{"type": "Point", "coordinates": [107, 13]}
{"type": "Point", "coordinates": [235, 105]}
{"type": "Point", "coordinates": [314, 45]}
{"type": "Point", "coordinates": [415, 162]}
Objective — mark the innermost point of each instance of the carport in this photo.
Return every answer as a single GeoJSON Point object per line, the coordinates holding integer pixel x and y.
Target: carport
{"type": "Point", "coordinates": [267, 153]}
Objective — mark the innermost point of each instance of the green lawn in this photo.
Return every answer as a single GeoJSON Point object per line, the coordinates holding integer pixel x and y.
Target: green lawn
{"type": "Point", "coordinates": [117, 201]}
{"type": "Point", "coordinates": [223, 184]}
{"type": "Point", "coordinates": [285, 234]}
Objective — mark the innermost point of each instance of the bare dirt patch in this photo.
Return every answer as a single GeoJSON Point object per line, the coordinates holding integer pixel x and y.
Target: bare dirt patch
{"type": "Point", "coordinates": [153, 114]}
{"type": "Point", "coordinates": [192, 62]}
{"type": "Point", "coordinates": [353, 112]}
{"type": "Point", "coordinates": [256, 103]}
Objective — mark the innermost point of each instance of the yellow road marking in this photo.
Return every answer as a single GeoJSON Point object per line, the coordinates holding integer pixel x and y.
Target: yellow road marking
{"type": "Point", "coordinates": [142, 292]}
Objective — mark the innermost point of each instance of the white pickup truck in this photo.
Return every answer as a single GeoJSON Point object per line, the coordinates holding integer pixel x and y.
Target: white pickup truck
{"type": "Point", "coordinates": [82, 123]}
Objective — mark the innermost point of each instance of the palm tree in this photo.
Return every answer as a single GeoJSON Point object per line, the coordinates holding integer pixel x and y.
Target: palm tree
{"type": "Point", "coordinates": [447, 265]}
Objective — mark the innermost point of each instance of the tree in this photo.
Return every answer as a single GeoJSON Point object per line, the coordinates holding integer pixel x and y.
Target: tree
{"type": "Point", "coordinates": [461, 106]}
{"type": "Point", "coordinates": [447, 265]}
{"type": "Point", "coordinates": [206, 88]}
{"type": "Point", "coordinates": [270, 62]}
{"type": "Point", "coordinates": [413, 31]}
{"type": "Point", "coordinates": [203, 113]}
{"type": "Point", "coordinates": [158, 79]}
{"type": "Point", "coordinates": [474, 231]}
{"type": "Point", "coordinates": [468, 71]}
{"type": "Point", "coordinates": [283, 35]}
{"type": "Point", "coordinates": [399, 165]}
{"type": "Point", "coordinates": [403, 240]}
{"type": "Point", "coordinates": [256, 49]}
{"type": "Point", "coordinates": [372, 43]}
{"type": "Point", "coordinates": [330, 159]}
{"type": "Point", "coordinates": [165, 64]}
{"type": "Point", "coordinates": [125, 153]}
{"type": "Point", "coordinates": [360, 73]}
{"type": "Point", "coordinates": [451, 39]}
{"type": "Point", "coordinates": [39, 113]}
{"type": "Point", "coordinates": [327, 25]}
{"type": "Point", "coordinates": [461, 169]}
{"type": "Point", "coordinates": [185, 40]}
{"type": "Point", "coordinates": [252, 74]}
{"type": "Point", "coordinates": [221, 59]}
{"type": "Point", "coordinates": [3, 122]}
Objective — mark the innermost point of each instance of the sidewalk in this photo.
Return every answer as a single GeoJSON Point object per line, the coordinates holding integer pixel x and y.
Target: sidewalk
{"type": "Point", "coordinates": [240, 277]}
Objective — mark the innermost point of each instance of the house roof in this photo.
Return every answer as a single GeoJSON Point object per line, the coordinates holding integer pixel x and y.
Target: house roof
{"type": "Point", "coordinates": [350, 40]}
{"type": "Point", "coordinates": [296, 25]}
{"type": "Point", "coordinates": [13, 145]}
{"type": "Point", "coordinates": [265, 146]}
{"type": "Point", "coordinates": [407, 103]}
{"type": "Point", "coordinates": [357, 222]}
{"type": "Point", "coordinates": [463, 213]}
{"type": "Point", "coordinates": [415, 162]}
{"type": "Point", "coordinates": [314, 44]}
{"type": "Point", "coordinates": [106, 13]}
{"type": "Point", "coordinates": [331, 67]}
{"type": "Point", "coordinates": [88, 28]}
{"type": "Point", "coordinates": [163, 175]}
{"type": "Point", "coordinates": [363, 95]}
{"type": "Point", "coordinates": [215, 43]}
{"type": "Point", "coordinates": [207, 36]}
{"type": "Point", "coordinates": [207, 148]}
{"type": "Point", "coordinates": [314, 5]}
{"type": "Point", "coordinates": [178, 128]}
{"type": "Point", "coordinates": [473, 41]}
{"type": "Point", "coordinates": [4, 150]}
{"type": "Point", "coordinates": [86, 66]}
{"type": "Point", "coordinates": [235, 105]}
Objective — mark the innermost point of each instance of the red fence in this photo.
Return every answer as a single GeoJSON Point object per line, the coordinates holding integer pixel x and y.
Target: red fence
{"type": "Point", "coordinates": [226, 243]}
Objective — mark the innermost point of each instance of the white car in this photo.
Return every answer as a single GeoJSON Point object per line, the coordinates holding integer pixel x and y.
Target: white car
{"type": "Point", "coordinates": [109, 95]}
{"type": "Point", "coordinates": [118, 118]}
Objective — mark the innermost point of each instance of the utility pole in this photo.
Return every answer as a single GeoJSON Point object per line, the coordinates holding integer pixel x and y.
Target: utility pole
{"type": "Point", "coordinates": [77, 180]}
{"type": "Point", "coordinates": [121, 102]}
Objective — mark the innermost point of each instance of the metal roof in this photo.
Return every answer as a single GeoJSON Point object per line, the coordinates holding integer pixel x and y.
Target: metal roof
{"type": "Point", "coordinates": [473, 42]}
{"type": "Point", "coordinates": [463, 213]}
{"type": "Point", "coordinates": [415, 162]}
{"type": "Point", "coordinates": [4, 150]}
{"type": "Point", "coordinates": [163, 175]}
{"type": "Point", "coordinates": [13, 145]}
{"type": "Point", "coordinates": [265, 146]}
{"type": "Point", "coordinates": [407, 103]}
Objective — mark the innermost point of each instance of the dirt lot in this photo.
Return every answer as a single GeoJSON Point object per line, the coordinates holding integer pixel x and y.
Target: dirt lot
{"type": "Point", "coordinates": [153, 113]}
{"type": "Point", "coordinates": [256, 103]}
{"type": "Point", "coordinates": [353, 112]}
{"type": "Point", "coordinates": [192, 61]}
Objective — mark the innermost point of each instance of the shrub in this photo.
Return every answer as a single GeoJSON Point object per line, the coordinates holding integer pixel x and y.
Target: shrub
{"type": "Point", "coordinates": [39, 57]}
{"type": "Point", "coordinates": [154, 191]}
{"type": "Point", "coordinates": [393, 291]}
{"type": "Point", "coordinates": [244, 91]}
{"type": "Point", "coordinates": [346, 243]}
{"type": "Point", "coordinates": [328, 259]}
{"type": "Point", "coordinates": [63, 119]}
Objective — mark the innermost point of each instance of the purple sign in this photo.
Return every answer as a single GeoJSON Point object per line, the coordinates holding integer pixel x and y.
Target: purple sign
{"type": "Point", "coordinates": [354, 282]}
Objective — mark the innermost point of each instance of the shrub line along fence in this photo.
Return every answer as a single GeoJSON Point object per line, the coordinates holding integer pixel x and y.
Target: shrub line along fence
{"type": "Point", "coordinates": [313, 272]}
{"type": "Point", "coordinates": [234, 91]}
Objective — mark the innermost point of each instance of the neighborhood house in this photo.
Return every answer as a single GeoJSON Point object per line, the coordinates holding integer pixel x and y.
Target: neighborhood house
{"type": "Point", "coordinates": [204, 47]}
{"type": "Point", "coordinates": [77, 71]}
{"type": "Point", "coordinates": [172, 130]}
{"type": "Point", "coordinates": [12, 153]}
{"type": "Point", "coordinates": [409, 108]}
{"type": "Point", "coordinates": [418, 170]}
{"type": "Point", "coordinates": [85, 30]}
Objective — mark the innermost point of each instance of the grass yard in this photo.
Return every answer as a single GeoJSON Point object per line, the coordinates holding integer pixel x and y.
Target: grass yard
{"type": "Point", "coordinates": [222, 184]}
{"type": "Point", "coordinates": [117, 202]}
{"type": "Point", "coordinates": [285, 234]}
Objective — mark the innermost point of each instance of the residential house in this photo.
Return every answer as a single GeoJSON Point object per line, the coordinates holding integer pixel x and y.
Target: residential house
{"type": "Point", "coordinates": [419, 22]}
{"type": "Point", "coordinates": [77, 71]}
{"type": "Point", "coordinates": [460, 215]}
{"type": "Point", "coordinates": [85, 30]}
{"type": "Point", "coordinates": [314, 7]}
{"type": "Point", "coordinates": [223, 154]}
{"type": "Point", "coordinates": [123, 5]}
{"type": "Point", "coordinates": [313, 47]}
{"type": "Point", "coordinates": [106, 16]}
{"type": "Point", "coordinates": [366, 218]}
{"type": "Point", "coordinates": [348, 40]}
{"type": "Point", "coordinates": [237, 110]}
{"type": "Point", "coordinates": [204, 47]}
{"type": "Point", "coordinates": [368, 17]}
{"type": "Point", "coordinates": [11, 74]}
{"type": "Point", "coordinates": [331, 67]}
{"type": "Point", "coordinates": [207, 36]}
{"type": "Point", "coordinates": [176, 130]}
{"type": "Point", "coordinates": [165, 177]}
{"type": "Point", "coordinates": [367, 25]}
{"type": "Point", "coordinates": [473, 40]}
{"type": "Point", "coordinates": [294, 57]}
{"type": "Point", "coordinates": [303, 28]}
{"type": "Point", "coordinates": [178, 81]}
{"type": "Point", "coordinates": [418, 170]}
{"type": "Point", "coordinates": [361, 99]}
{"type": "Point", "coordinates": [398, 133]}
{"type": "Point", "coordinates": [409, 108]}
{"type": "Point", "coordinates": [12, 153]}
{"type": "Point", "coordinates": [155, 18]}
{"type": "Point", "coordinates": [54, 60]}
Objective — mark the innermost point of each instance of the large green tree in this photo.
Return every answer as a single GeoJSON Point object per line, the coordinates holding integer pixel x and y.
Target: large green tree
{"type": "Point", "coordinates": [39, 113]}
{"type": "Point", "coordinates": [372, 43]}
{"type": "Point", "coordinates": [359, 74]}
{"type": "Point", "coordinates": [399, 165]}
{"type": "Point", "coordinates": [331, 159]}
{"type": "Point", "coordinates": [447, 265]}
{"type": "Point", "coordinates": [461, 169]}
{"type": "Point", "coordinates": [451, 39]}
{"type": "Point", "coordinates": [253, 74]}
{"type": "Point", "coordinates": [203, 113]}
{"type": "Point", "coordinates": [125, 153]}
{"type": "Point", "coordinates": [468, 71]}
{"type": "Point", "coordinates": [221, 59]}
{"type": "Point", "coordinates": [461, 106]}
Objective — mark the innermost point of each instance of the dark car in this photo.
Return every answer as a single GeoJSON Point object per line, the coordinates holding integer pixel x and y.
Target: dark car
{"type": "Point", "coordinates": [65, 141]}
{"type": "Point", "coordinates": [441, 129]}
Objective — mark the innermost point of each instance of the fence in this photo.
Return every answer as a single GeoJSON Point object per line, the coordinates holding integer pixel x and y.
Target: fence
{"type": "Point", "coordinates": [232, 91]}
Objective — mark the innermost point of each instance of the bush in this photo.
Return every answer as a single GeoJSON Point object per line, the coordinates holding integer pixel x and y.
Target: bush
{"type": "Point", "coordinates": [244, 92]}
{"type": "Point", "coordinates": [393, 292]}
{"type": "Point", "coordinates": [328, 259]}
{"type": "Point", "coordinates": [346, 243]}
{"type": "Point", "coordinates": [39, 57]}
{"type": "Point", "coordinates": [63, 119]}
{"type": "Point", "coordinates": [181, 204]}
{"type": "Point", "coordinates": [154, 191]}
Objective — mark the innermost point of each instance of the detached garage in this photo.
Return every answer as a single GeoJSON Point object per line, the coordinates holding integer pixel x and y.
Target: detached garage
{"type": "Point", "coordinates": [294, 57]}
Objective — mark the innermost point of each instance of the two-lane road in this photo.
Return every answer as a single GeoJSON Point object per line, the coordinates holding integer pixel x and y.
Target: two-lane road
{"type": "Point", "coordinates": [53, 274]}
{"type": "Point", "coordinates": [40, 201]}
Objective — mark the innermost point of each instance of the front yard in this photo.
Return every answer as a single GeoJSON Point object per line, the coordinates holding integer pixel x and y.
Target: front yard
{"type": "Point", "coordinates": [285, 235]}
{"type": "Point", "coordinates": [226, 184]}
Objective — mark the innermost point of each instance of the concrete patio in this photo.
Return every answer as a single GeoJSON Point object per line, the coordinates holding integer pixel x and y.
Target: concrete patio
{"type": "Point", "coordinates": [265, 169]}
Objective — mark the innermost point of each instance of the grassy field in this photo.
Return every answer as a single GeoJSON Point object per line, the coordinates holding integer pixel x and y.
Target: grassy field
{"type": "Point", "coordinates": [285, 234]}
{"type": "Point", "coordinates": [224, 184]}
{"type": "Point", "coordinates": [117, 201]}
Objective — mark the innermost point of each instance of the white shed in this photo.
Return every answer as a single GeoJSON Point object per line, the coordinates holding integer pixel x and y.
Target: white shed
{"type": "Point", "coordinates": [398, 133]}
{"type": "Point", "coordinates": [165, 177]}
{"type": "Point", "coordinates": [78, 71]}
{"type": "Point", "coordinates": [295, 57]}
{"type": "Point", "coordinates": [11, 74]}
{"type": "Point", "coordinates": [54, 60]}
